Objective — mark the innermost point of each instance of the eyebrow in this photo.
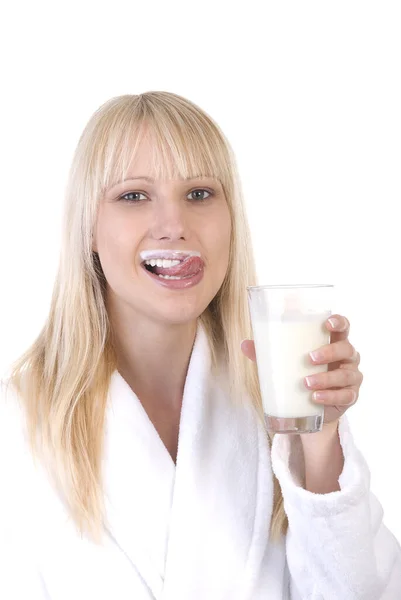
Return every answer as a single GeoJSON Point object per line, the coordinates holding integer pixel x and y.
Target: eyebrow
{"type": "Point", "coordinates": [152, 180]}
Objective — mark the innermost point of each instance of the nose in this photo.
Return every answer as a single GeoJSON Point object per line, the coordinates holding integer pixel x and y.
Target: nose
{"type": "Point", "coordinates": [170, 220]}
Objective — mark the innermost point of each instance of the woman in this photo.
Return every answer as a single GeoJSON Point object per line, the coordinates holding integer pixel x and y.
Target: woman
{"type": "Point", "coordinates": [134, 459]}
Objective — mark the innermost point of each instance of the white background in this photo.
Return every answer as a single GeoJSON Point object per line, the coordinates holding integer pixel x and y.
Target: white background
{"type": "Point", "coordinates": [309, 95]}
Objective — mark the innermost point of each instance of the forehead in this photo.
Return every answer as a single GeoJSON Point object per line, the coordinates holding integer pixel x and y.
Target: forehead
{"type": "Point", "coordinates": [144, 159]}
{"type": "Point", "coordinates": [147, 154]}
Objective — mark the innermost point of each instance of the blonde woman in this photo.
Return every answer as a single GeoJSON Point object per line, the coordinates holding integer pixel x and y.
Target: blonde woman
{"type": "Point", "coordinates": [134, 460]}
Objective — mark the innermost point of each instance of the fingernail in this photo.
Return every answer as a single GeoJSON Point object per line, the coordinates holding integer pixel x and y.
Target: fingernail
{"type": "Point", "coordinates": [338, 323]}
{"type": "Point", "coordinates": [316, 355]}
{"type": "Point", "coordinates": [334, 322]}
{"type": "Point", "coordinates": [310, 381]}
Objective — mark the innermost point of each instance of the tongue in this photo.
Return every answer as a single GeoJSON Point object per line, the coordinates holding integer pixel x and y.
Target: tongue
{"type": "Point", "coordinates": [189, 267]}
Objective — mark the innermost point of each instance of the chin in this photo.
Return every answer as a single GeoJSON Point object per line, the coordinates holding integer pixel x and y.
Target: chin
{"type": "Point", "coordinates": [180, 316]}
{"type": "Point", "coordinates": [178, 312]}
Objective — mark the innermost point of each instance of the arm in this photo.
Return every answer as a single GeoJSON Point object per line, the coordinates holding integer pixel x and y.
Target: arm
{"type": "Point", "coordinates": [323, 458]}
{"type": "Point", "coordinates": [337, 545]}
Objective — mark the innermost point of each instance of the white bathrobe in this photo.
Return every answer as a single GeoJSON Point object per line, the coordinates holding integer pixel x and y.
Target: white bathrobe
{"type": "Point", "coordinates": [197, 530]}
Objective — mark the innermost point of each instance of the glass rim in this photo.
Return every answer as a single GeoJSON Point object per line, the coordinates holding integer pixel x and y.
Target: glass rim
{"type": "Point", "coordinates": [286, 286]}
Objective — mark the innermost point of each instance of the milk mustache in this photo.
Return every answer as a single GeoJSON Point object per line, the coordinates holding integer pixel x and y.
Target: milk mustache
{"type": "Point", "coordinates": [282, 345]}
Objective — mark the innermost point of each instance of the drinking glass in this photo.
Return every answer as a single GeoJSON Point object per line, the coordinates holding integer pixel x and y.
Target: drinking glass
{"type": "Point", "coordinates": [288, 322]}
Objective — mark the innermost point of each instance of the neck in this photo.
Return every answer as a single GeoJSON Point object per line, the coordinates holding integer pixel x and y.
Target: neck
{"type": "Point", "coordinates": [152, 356]}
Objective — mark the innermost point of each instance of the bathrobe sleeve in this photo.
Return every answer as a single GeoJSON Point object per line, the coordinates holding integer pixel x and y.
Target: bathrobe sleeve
{"type": "Point", "coordinates": [337, 546]}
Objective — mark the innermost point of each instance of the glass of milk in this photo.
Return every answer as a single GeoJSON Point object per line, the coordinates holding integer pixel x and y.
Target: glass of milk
{"type": "Point", "coordinates": [288, 323]}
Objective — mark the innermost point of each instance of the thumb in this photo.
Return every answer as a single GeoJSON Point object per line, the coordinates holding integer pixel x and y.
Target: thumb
{"type": "Point", "coordinates": [248, 348]}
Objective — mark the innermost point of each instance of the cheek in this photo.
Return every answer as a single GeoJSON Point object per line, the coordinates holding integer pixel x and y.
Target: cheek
{"type": "Point", "coordinates": [114, 245]}
{"type": "Point", "coordinates": [114, 233]}
{"type": "Point", "coordinates": [220, 236]}
{"type": "Point", "coordinates": [223, 235]}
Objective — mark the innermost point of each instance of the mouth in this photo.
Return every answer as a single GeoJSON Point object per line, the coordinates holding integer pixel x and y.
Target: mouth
{"type": "Point", "coordinates": [186, 274]}
{"type": "Point", "coordinates": [175, 268]}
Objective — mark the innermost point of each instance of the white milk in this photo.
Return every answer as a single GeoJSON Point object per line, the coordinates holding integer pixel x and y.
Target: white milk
{"type": "Point", "coordinates": [282, 348]}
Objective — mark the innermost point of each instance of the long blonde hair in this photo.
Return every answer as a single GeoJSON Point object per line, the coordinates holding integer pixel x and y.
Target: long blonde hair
{"type": "Point", "coordinates": [63, 378]}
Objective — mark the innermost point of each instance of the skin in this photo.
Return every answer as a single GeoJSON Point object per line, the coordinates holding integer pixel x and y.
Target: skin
{"type": "Point", "coordinates": [337, 389]}
{"type": "Point", "coordinates": [155, 327]}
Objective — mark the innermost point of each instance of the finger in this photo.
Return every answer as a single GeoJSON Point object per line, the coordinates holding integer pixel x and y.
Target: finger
{"type": "Point", "coordinates": [339, 327]}
{"type": "Point", "coordinates": [354, 361]}
{"type": "Point", "coordinates": [248, 348]}
{"type": "Point", "coordinates": [331, 379]}
{"type": "Point", "coordinates": [334, 352]}
{"type": "Point", "coordinates": [343, 397]}
{"type": "Point", "coordinates": [349, 366]}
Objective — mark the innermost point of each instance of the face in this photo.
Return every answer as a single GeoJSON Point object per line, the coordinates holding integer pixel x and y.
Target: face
{"type": "Point", "coordinates": [138, 215]}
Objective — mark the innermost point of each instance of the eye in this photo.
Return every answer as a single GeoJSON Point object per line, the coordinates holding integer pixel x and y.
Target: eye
{"type": "Point", "coordinates": [201, 190]}
{"type": "Point", "coordinates": [133, 200]}
{"type": "Point", "coordinates": [125, 199]}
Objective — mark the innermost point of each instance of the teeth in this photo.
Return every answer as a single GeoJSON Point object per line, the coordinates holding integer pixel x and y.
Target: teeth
{"type": "Point", "coordinates": [172, 277]}
{"type": "Point", "coordinates": [162, 262]}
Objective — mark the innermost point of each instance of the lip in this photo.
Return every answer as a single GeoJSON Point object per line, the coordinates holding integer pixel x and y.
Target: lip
{"type": "Point", "coordinates": [175, 284]}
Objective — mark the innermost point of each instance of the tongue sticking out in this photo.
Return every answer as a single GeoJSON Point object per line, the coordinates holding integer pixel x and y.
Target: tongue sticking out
{"type": "Point", "coordinates": [189, 267]}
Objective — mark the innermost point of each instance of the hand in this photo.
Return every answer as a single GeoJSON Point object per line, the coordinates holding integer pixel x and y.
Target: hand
{"type": "Point", "coordinates": [339, 386]}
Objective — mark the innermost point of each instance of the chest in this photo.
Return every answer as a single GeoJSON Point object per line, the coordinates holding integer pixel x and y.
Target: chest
{"type": "Point", "coordinates": [166, 421]}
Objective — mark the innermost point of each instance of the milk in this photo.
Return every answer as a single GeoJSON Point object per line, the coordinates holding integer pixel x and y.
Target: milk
{"type": "Point", "coordinates": [282, 347]}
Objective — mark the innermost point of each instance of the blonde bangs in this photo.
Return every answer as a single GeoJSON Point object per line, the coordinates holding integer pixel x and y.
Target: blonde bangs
{"type": "Point", "coordinates": [183, 144]}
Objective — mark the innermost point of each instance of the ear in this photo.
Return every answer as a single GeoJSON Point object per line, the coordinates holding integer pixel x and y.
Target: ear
{"type": "Point", "coordinates": [248, 348]}
{"type": "Point", "coordinates": [94, 245]}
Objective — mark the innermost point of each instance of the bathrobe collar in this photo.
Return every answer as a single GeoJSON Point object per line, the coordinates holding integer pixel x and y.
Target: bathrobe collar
{"type": "Point", "coordinates": [199, 524]}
